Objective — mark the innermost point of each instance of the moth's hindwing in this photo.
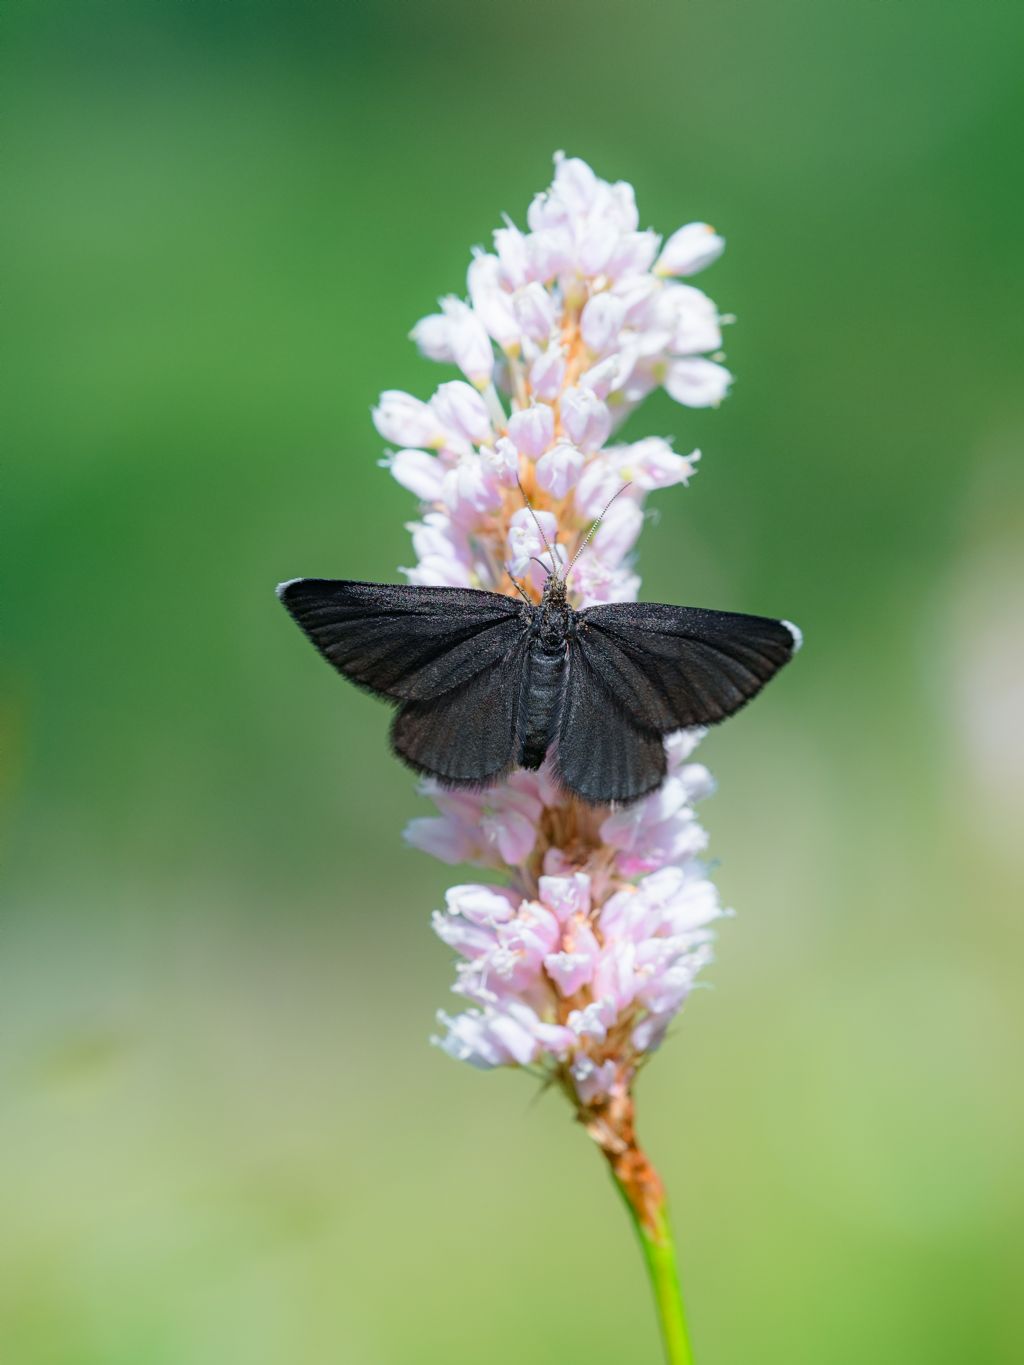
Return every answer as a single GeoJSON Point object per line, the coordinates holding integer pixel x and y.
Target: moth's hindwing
{"type": "Point", "coordinates": [602, 755]}
{"type": "Point", "coordinates": [469, 736]}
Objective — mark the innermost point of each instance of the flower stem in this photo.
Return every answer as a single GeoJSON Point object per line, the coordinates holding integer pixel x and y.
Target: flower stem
{"type": "Point", "coordinates": [612, 1126]}
{"type": "Point", "coordinates": [655, 1236]}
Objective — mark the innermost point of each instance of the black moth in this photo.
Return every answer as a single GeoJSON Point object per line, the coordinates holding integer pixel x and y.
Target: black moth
{"type": "Point", "coordinates": [485, 683]}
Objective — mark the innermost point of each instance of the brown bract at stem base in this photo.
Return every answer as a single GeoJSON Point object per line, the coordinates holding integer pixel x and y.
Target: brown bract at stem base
{"type": "Point", "coordinates": [612, 1125]}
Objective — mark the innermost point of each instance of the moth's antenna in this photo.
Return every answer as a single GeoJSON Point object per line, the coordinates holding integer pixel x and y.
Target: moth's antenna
{"type": "Point", "coordinates": [590, 534]}
{"type": "Point", "coordinates": [540, 528]}
{"type": "Point", "coordinates": [519, 587]}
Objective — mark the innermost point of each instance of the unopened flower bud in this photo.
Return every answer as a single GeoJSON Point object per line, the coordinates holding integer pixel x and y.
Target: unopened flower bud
{"type": "Point", "coordinates": [696, 382]}
{"type": "Point", "coordinates": [406, 420]}
{"type": "Point", "coordinates": [461, 410]}
{"type": "Point", "coordinates": [690, 249]}
{"type": "Point", "coordinates": [504, 458]}
{"type": "Point", "coordinates": [535, 312]}
{"type": "Point", "coordinates": [559, 468]}
{"type": "Point", "coordinates": [470, 344]}
{"type": "Point", "coordinates": [586, 419]}
{"type": "Point", "coordinates": [512, 256]}
{"type": "Point", "coordinates": [492, 303]}
{"type": "Point", "coordinates": [421, 473]}
{"type": "Point", "coordinates": [547, 373]}
{"type": "Point", "coordinates": [432, 335]}
{"type": "Point", "coordinates": [532, 430]}
{"type": "Point", "coordinates": [600, 322]}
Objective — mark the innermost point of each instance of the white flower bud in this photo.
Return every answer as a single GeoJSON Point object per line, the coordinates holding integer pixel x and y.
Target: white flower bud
{"type": "Point", "coordinates": [587, 421]}
{"type": "Point", "coordinates": [532, 430]}
{"type": "Point", "coordinates": [406, 420]}
{"type": "Point", "coordinates": [461, 410]}
{"type": "Point", "coordinates": [513, 259]}
{"type": "Point", "coordinates": [624, 200]}
{"type": "Point", "coordinates": [690, 249]}
{"type": "Point", "coordinates": [470, 489]}
{"type": "Point", "coordinates": [549, 252]}
{"type": "Point", "coordinates": [575, 183]}
{"type": "Point", "coordinates": [596, 243]}
{"type": "Point", "coordinates": [618, 532]}
{"type": "Point", "coordinates": [471, 346]}
{"type": "Point", "coordinates": [559, 469]}
{"type": "Point", "coordinates": [504, 459]}
{"type": "Point", "coordinates": [421, 473]}
{"type": "Point", "coordinates": [696, 382]}
{"type": "Point", "coordinates": [696, 326]}
{"type": "Point", "coordinates": [525, 540]}
{"type": "Point", "coordinates": [602, 377]}
{"type": "Point", "coordinates": [600, 322]}
{"type": "Point", "coordinates": [535, 312]}
{"type": "Point", "coordinates": [492, 304]}
{"type": "Point", "coordinates": [547, 373]}
{"type": "Point", "coordinates": [432, 335]}
{"type": "Point", "coordinates": [633, 255]}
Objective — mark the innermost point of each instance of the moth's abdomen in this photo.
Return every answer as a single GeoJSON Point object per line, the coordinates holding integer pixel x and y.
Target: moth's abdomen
{"type": "Point", "coordinates": [541, 703]}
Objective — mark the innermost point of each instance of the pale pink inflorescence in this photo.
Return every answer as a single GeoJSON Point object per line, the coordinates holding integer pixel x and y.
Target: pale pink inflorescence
{"type": "Point", "coordinates": [576, 963]}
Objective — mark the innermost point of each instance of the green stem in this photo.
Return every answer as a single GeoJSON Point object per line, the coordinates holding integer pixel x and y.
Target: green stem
{"type": "Point", "coordinates": [655, 1234]}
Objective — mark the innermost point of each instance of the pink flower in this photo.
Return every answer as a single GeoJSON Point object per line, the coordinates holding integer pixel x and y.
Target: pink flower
{"type": "Point", "coordinates": [421, 473]}
{"type": "Point", "coordinates": [525, 541]}
{"type": "Point", "coordinates": [576, 964]}
{"type": "Point", "coordinates": [433, 337]}
{"type": "Point", "coordinates": [588, 422]}
{"type": "Point", "coordinates": [662, 829]}
{"type": "Point", "coordinates": [503, 458]}
{"type": "Point", "coordinates": [601, 321]}
{"type": "Point", "coordinates": [471, 489]}
{"type": "Point", "coordinates": [697, 382]}
{"type": "Point", "coordinates": [535, 312]}
{"type": "Point", "coordinates": [405, 420]}
{"type": "Point", "coordinates": [596, 582]}
{"type": "Point", "coordinates": [532, 430]}
{"type": "Point", "coordinates": [510, 1037]}
{"type": "Point", "coordinates": [696, 325]}
{"type": "Point", "coordinates": [547, 373]}
{"type": "Point", "coordinates": [593, 1082]}
{"type": "Point", "coordinates": [514, 265]}
{"type": "Point", "coordinates": [445, 558]}
{"type": "Point", "coordinates": [493, 828]}
{"type": "Point", "coordinates": [469, 341]}
{"type": "Point", "coordinates": [462, 414]}
{"type": "Point", "coordinates": [646, 465]}
{"type": "Point", "coordinates": [559, 468]}
{"type": "Point", "coordinates": [618, 532]}
{"type": "Point", "coordinates": [491, 301]}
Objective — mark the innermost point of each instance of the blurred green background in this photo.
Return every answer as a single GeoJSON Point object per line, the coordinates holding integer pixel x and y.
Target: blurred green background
{"type": "Point", "coordinates": [224, 1136]}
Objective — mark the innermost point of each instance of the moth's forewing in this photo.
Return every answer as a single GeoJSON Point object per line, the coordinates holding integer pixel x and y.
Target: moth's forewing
{"type": "Point", "coordinates": [403, 641]}
{"type": "Point", "coordinates": [670, 667]}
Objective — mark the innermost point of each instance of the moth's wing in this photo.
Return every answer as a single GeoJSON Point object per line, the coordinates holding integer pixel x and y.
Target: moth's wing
{"type": "Point", "coordinates": [404, 642]}
{"type": "Point", "coordinates": [470, 736]}
{"type": "Point", "coordinates": [673, 667]}
{"type": "Point", "coordinates": [601, 755]}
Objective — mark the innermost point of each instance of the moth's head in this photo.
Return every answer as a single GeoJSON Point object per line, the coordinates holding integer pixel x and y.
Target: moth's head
{"type": "Point", "coordinates": [554, 591]}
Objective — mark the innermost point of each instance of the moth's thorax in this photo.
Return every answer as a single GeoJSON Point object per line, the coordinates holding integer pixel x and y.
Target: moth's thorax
{"type": "Point", "coordinates": [552, 621]}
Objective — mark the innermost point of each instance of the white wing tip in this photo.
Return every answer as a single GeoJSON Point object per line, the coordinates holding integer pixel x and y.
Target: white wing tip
{"type": "Point", "coordinates": [795, 631]}
{"type": "Point", "coordinates": [282, 588]}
